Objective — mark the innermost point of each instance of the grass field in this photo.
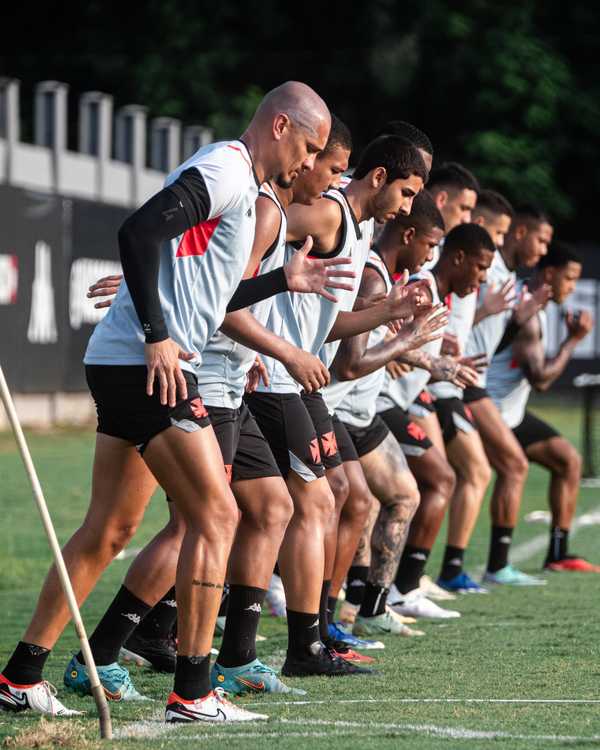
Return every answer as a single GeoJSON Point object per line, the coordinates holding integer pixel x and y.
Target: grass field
{"type": "Point", "coordinates": [520, 669]}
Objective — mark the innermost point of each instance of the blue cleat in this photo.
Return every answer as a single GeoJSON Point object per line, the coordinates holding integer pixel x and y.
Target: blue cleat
{"type": "Point", "coordinates": [462, 584]}
{"type": "Point", "coordinates": [114, 678]}
{"type": "Point", "coordinates": [254, 677]}
{"type": "Point", "coordinates": [510, 576]}
{"type": "Point", "coordinates": [337, 633]}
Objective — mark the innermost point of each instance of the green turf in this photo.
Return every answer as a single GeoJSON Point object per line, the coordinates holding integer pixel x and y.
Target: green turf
{"type": "Point", "coordinates": [527, 644]}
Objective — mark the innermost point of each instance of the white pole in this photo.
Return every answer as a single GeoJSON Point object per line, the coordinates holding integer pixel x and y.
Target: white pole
{"type": "Point", "coordinates": [97, 689]}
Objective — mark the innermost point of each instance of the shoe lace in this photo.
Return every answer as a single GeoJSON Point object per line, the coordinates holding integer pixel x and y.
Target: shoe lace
{"type": "Point", "coordinates": [50, 692]}
{"type": "Point", "coordinates": [262, 669]}
{"type": "Point", "coordinates": [221, 696]}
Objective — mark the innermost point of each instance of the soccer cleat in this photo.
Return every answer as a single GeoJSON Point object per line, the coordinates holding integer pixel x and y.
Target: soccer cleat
{"type": "Point", "coordinates": [462, 584]}
{"type": "Point", "coordinates": [572, 563]}
{"type": "Point", "coordinates": [319, 661]}
{"type": "Point", "coordinates": [432, 591]}
{"type": "Point", "coordinates": [338, 633]}
{"type": "Point", "coordinates": [275, 597]}
{"type": "Point", "coordinates": [402, 620]}
{"type": "Point", "coordinates": [349, 655]}
{"type": "Point", "coordinates": [254, 677]}
{"type": "Point", "coordinates": [384, 624]}
{"type": "Point", "coordinates": [40, 697]}
{"type": "Point", "coordinates": [509, 576]}
{"type": "Point", "coordinates": [213, 707]}
{"type": "Point", "coordinates": [158, 653]}
{"type": "Point", "coordinates": [415, 604]}
{"type": "Point", "coordinates": [348, 612]}
{"type": "Point", "coordinates": [114, 678]}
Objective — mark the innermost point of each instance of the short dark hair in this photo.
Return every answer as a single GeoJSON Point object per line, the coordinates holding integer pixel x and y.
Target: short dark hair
{"type": "Point", "coordinates": [531, 214]}
{"type": "Point", "coordinates": [491, 202]}
{"type": "Point", "coordinates": [424, 216]}
{"type": "Point", "coordinates": [339, 135]}
{"type": "Point", "coordinates": [452, 176]}
{"type": "Point", "coordinates": [397, 155]}
{"type": "Point", "coordinates": [409, 131]}
{"type": "Point", "coordinates": [471, 238]}
{"type": "Point", "coordinates": [558, 255]}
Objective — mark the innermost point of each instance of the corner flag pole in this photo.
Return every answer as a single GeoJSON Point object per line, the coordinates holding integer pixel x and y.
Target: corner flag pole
{"type": "Point", "coordinates": [97, 689]}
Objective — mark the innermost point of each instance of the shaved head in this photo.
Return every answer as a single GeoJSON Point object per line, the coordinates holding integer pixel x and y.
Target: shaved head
{"type": "Point", "coordinates": [299, 102]}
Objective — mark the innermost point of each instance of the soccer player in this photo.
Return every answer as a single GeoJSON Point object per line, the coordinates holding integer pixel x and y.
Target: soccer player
{"type": "Point", "coordinates": [183, 254]}
{"type": "Point", "coordinates": [524, 365]}
{"type": "Point", "coordinates": [525, 243]}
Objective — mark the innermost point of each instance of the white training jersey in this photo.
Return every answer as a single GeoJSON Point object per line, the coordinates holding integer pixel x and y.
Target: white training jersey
{"type": "Point", "coordinates": [305, 320]}
{"type": "Point", "coordinates": [487, 334]}
{"type": "Point", "coordinates": [507, 384]}
{"type": "Point", "coordinates": [404, 390]}
{"type": "Point", "coordinates": [225, 363]}
{"type": "Point", "coordinates": [199, 270]}
{"type": "Point", "coordinates": [356, 405]}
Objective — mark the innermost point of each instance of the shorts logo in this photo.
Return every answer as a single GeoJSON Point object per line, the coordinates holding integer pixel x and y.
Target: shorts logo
{"type": "Point", "coordinates": [468, 412]}
{"type": "Point", "coordinates": [330, 446]}
{"type": "Point", "coordinates": [416, 432]}
{"type": "Point", "coordinates": [314, 451]}
{"type": "Point", "coordinates": [197, 408]}
{"type": "Point", "coordinates": [228, 469]}
{"type": "Point", "coordinates": [425, 397]}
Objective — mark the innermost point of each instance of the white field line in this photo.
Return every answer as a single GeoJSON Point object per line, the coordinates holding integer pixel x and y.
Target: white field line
{"type": "Point", "coordinates": [509, 701]}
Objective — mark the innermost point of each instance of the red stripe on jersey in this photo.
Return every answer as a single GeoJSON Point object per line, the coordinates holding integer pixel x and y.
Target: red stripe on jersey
{"type": "Point", "coordinates": [195, 240]}
{"type": "Point", "coordinates": [239, 150]}
{"type": "Point", "coordinates": [514, 365]}
{"type": "Point", "coordinates": [448, 301]}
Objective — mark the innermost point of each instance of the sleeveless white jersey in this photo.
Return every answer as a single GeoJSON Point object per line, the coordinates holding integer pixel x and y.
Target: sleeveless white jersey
{"type": "Point", "coordinates": [199, 270]}
{"type": "Point", "coordinates": [487, 334]}
{"type": "Point", "coordinates": [507, 384]}
{"type": "Point", "coordinates": [356, 404]}
{"type": "Point", "coordinates": [305, 320]}
{"type": "Point", "coordinates": [404, 390]}
{"type": "Point", "coordinates": [225, 363]}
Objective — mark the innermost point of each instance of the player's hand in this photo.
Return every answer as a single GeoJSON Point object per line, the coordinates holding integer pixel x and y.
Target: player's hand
{"type": "Point", "coordinates": [450, 345]}
{"type": "Point", "coordinates": [465, 376]}
{"type": "Point", "coordinates": [162, 362]}
{"type": "Point", "coordinates": [304, 274]}
{"type": "Point", "coordinates": [444, 368]}
{"type": "Point", "coordinates": [579, 324]}
{"type": "Point", "coordinates": [405, 301]}
{"type": "Point", "coordinates": [256, 373]}
{"type": "Point", "coordinates": [498, 300]}
{"type": "Point", "coordinates": [425, 327]}
{"type": "Point", "coordinates": [398, 369]}
{"type": "Point", "coordinates": [529, 304]}
{"type": "Point", "coordinates": [107, 286]}
{"type": "Point", "coordinates": [477, 362]}
{"type": "Point", "coordinates": [306, 369]}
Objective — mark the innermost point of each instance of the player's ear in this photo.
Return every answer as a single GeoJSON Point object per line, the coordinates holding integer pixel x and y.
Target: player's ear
{"type": "Point", "coordinates": [280, 125]}
{"type": "Point", "coordinates": [520, 231]}
{"type": "Point", "coordinates": [459, 257]}
{"type": "Point", "coordinates": [478, 220]}
{"type": "Point", "coordinates": [378, 177]}
{"type": "Point", "coordinates": [408, 235]}
{"type": "Point", "coordinates": [441, 199]}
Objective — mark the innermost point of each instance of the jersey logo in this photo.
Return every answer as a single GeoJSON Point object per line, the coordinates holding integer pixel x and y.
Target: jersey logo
{"type": "Point", "coordinates": [314, 451]}
{"type": "Point", "coordinates": [416, 432]}
{"type": "Point", "coordinates": [195, 240]}
{"type": "Point", "coordinates": [329, 442]}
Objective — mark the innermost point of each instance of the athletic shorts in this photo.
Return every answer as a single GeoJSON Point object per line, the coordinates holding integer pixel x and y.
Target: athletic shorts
{"type": "Point", "coordinates": [423, 405]}
{"type": "Point", "coordinates": [412, 437]}
{"type": "Point", "coordinates": [366, 439]}
{"type": "Point", "coordinates": [454, 417]}
{"type": "Point", "coordinates": [246, 453]}
{"type": "Point", "coordinates": [533, 430]}
{"type": "Point", "coordinates": [474, 393]}
{"type": "Point", "coordinates": [345, 445]}
{"type": "Point", "coordinates": [321, 419]}
{"type": "Point", "coordinates": [126, 412]}
{"type": "Point", "coordinates": [288, 429]}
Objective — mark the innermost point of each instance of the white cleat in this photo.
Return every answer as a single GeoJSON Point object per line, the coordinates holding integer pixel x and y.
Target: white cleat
{"type": "Point", "coordinates": [415, 604]}
{"type": "Point", "coordinates": [432, 591]}
{"type": "Point", "coordinates": [213, 707]}
{"type": "Point", "coordinates": [275, 597]}
{"type": "Point", "coordinates": [40, 697]}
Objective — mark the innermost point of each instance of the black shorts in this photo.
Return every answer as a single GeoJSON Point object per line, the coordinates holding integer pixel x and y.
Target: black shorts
{"type": "Point", "coordinates": [288, 429]}
{"type": "Point", "coordinates": [126, 412]}
{"type": "Point", "coordinates": [345, 445]}
{"type": "Point", "coordinates": [246, 453]}
{"type": "Point", "coordinates": [474, 393]}
{"type": "Point", "coordinates": [454, 416]}
{"type": "Point", "coordinates": [533, 430]}
{"type": "Point", "coordinates": [366, 439]}
{"type": "Point", "coordinates": [423, 405]}
{"type": "Point", "coordinates": [321, 419]}
{"type": "Point", "coordinates": [412, 437]}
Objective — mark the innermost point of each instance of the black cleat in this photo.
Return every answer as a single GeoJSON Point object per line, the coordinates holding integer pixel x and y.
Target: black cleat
{"type": "Point", "coordinates": [319, 662]}
{"type": "Point", "coordinates": [158, 653]}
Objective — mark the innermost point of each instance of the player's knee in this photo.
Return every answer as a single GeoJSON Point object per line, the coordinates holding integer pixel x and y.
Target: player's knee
{"type": "Point", "coordinates": [481, 473]}
{"type": "Point", "coordinates": [116, 537]}
{"type": "Point", "coordinates": [513, 465]}
{"type": "Point", "coordinates": [358, 507]}
{"type": "Point", "coordinates": [216, 522]}
{"type": "Point", "coordinates": [338, 483]}
{"type": "Point", "coordinates": [570, 461]}
{"type": "Point", "coordinates": [273, 516]}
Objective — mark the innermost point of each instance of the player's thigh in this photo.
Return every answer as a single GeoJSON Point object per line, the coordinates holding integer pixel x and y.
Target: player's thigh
{"type": "Point", "coordinates": [501, 446]}
{"type": "Point", "coordinates": [555, 454]}
{"type": "Point", "coordinates": [467, 455]}
{"type": "Point", "coordinates": [386, 470]}
{"type": "Point", "coordinates": [431, 426]}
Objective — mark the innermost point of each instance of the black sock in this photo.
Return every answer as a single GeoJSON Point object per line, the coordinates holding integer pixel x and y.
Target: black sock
{"type": "Point", "coordinates": [243, 614]}
{"type": "Point", "coordinates": [331, 607]}
{"type": "Point", "coordinates": [410, 570]}
{"type": "Point", "coordinates": [159, 622]}
{"type": "Point", "coordinates": [559, 542]}
{"type": "Point", "coordinates": [356, 581]}
{"type": "Point", "coordinates": [499, 547]}
{"type": "Point", "coordinates": [303, 631]}
{"type": "Point", "coordinates": [26, 664]}
{"type": "Point", "coordinates": [374, 600]}
{"type": "Point", "coordinates": [224, 601]}
{"type": "Point", "coordinates": [192, 677]}
{"type": "Point", "coordinates": [452, 564]}
{"type": "Point", "coordinates": [120, 620]}
{"type": "Point", "coordinates": [323, 617]}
